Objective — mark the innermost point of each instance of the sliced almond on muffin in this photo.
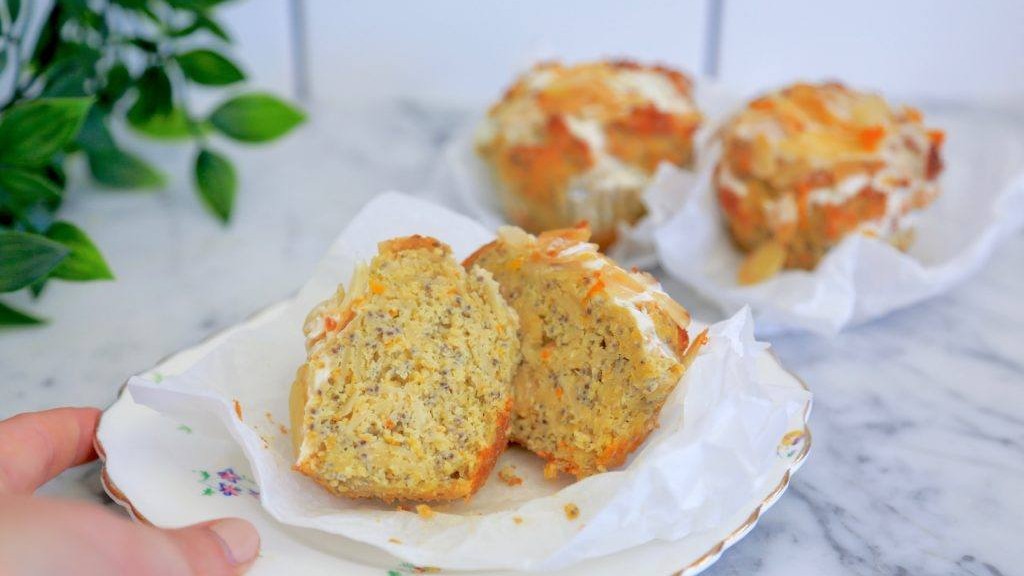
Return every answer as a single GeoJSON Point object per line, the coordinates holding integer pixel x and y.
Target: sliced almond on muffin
{"type": "Point", "coordinates": [406, 391]}
{"type": "Point", "coordinates": [602, 347]}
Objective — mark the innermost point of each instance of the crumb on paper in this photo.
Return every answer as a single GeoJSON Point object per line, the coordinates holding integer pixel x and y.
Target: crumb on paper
{"type": "Point", "coordinates": [517, 519]}
{"type": "Point", "coordinates": [283, 429]}
{"type": "Point", "coordinates": [572, 511]}
{"type": "Point", "coordinates": [508, 475]}
{"type": "Point", "coordinates": [425, 512]}
{"type": "Point", "coordinates": [551, 470]}
{"type": "Point", "coordinates": [238, 408]}
{"type": "Point", "coordinates": [394, 540]}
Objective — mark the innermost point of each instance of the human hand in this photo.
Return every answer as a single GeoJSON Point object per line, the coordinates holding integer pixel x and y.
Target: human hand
{"type": "Point", "coordinates": [46, 536]}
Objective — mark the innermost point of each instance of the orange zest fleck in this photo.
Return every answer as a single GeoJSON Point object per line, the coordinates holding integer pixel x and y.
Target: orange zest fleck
{"type": "Point", "coordinates": [596, 287]}
{"type": "Point", "coordinates": [330, 324]}
{"type": "Point", "coordinates": [871, 137]}
{"type": "Point", "coordinates": [238, 408]}
{"type": "Point", "coordinates": [559, 392]}
{"type": "Point", "coordinates": [389, 424]}
{"type": "Point", "coordinates": [376, 287]}
{"type": "Point", "coordinates": [763, 104]}
{"type": "Point", "coordinates": [684, 339]}
{"type": "Point", "coordinates": [937, 137]}
{"type": "Point", "coordinates": [545, 352]}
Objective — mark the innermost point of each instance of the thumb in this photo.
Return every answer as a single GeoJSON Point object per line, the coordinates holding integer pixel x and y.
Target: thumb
{"type": "Point", "coordinates": [224, 546]}
{"type": "Point", "coordinates": [94, 541]}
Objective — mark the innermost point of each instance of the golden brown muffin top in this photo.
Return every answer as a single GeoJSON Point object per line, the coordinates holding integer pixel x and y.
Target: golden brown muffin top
{"type": "Point", "coordinates": [618, 119]}
{"type": "Point", "coordinates": [824, 123]}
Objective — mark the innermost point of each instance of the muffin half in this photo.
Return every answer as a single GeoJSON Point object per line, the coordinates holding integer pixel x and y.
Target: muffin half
{"type": "Point", "coordinates": [580, 143]}
{"type": "Point", "coordinates": [602, 348]}
{"type": "Point", "coordinates": [406, 391]}
{"type": "Point", "coordinates": [807, 165]}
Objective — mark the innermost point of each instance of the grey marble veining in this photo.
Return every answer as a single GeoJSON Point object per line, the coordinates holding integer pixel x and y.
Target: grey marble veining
{"type": "Point", "coordinates": [918, 459]}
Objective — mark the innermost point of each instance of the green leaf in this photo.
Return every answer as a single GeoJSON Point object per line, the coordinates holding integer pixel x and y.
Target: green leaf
{"type": "Point", "coordinates": [255, 117]}
{"type": "Point", "coordinates": [37, 288]}
{"type": "Point", "coordinates": [28, 197]}
{"type": "Point", "coordinates": [202, 22]}
{"type": "Point", "coordinates": [132, 4]}
{"type": "Point", "coordinates": [216, 181]}
{"type": "Point", "coordinates": [49, 39]}
{"type": "Point", "coordinates": [67, 77]}
{"type": "Point", "coordinates": [14, 9]}
{"type": "Point", "coordinates": [25, 258]}
{"type": "Point", "coordinates": [195, 5]}
{"type": "Point", "coordinates": [94, 135]}
{"type": "Point", "coordinates": [84, 261]}
{"type": "Point", "coordinates": [118, 169]}
{"type": "Point", "coordinates": [77, 8]}
{"type": "Point", "coordinates": [172, 126]}
{"type": "Point", "coordinates": [145, 45]}
{"type": "Point", "coordinates": [21, 189]}
{"type": "Point", "coordinates": [119, 79]}
{"type": "Point", "coordinates": [14, 317]}
{"type": "Point", "coordinates": [33, 132]}
{"type": "Point", "coordinates": [155, 96]}
{"type": "Point", "coordinates": [213, 27]}
{"type": "Point", "coordinates": [209, 68]}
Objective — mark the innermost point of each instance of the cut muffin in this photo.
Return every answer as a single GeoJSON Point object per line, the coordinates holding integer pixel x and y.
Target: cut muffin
{"type": "Point", "coordinates": [602, 348]}
{"type": "Point", "coordinates": [580, 143]}
{"type": "Point", "coordinates": [806, 166]}
{"type": "Point", "coordinates": [406, 391]}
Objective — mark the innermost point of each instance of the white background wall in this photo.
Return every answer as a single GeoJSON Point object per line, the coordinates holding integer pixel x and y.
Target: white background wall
{"type": "Point", "coordinates": [958, 49]}
{"type": "Point", "coordinates": [466, 51]}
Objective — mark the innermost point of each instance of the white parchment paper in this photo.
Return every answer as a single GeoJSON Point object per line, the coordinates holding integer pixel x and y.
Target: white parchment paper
{"type": "Point", "coordinates": [862, 279]}
{"type": "Point", "coordinates": [709, 455]}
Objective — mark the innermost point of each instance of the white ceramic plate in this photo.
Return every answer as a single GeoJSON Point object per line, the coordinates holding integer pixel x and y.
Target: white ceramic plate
{"type": "Point", "coordinates": [168, 474]}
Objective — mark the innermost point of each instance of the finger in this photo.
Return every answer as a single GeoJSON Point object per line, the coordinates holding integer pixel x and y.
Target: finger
{"type": "Point", "coordinates": [92, 541]}
{"type": "Point", "coordinates": [36, 446]}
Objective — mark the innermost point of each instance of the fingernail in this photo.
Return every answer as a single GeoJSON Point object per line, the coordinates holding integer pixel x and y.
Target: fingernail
{"type": "Point", "coordinates": [240, 539]}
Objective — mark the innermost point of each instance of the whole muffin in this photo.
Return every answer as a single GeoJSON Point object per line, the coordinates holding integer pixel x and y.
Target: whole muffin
{"type": "Point", "coordinates": [580, 143]}
{"type": "Point", "coordinates": [602, 348]}
{"type": "Point", "coordinates": [805, 166]}
{"type": "Point", "coordinates": [406, 391]}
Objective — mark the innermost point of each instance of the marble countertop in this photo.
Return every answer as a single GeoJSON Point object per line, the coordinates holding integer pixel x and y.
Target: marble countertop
{"type": "Point", "coordinates": [918, 458]}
